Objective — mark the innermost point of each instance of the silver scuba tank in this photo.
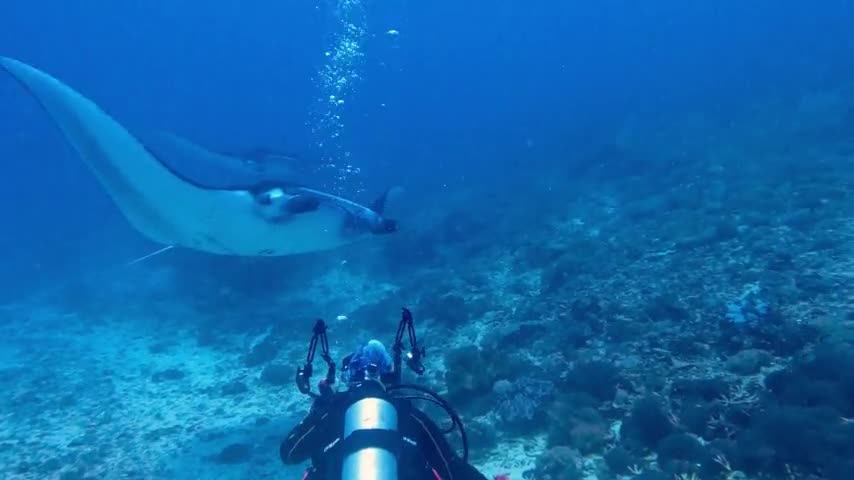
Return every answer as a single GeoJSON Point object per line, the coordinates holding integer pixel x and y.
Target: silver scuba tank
{"type": "Point", "coordinates": [372, 461]}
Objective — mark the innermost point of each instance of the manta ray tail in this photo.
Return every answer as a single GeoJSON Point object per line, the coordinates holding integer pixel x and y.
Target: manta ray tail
{"type": "Point", "coordinates": [152, 254]}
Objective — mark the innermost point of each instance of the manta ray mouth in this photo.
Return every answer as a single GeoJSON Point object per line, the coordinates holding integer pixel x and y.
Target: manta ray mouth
{"type": "Point", "coordinates": [169, 206]}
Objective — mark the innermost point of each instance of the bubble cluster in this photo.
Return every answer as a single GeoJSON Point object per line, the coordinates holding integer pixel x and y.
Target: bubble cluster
{"type": "Point", "coordinates": [336, 80]}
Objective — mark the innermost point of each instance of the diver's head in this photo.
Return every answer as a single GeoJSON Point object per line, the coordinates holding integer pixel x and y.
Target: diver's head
{"type": "Point", "coordinates": [370, 361]}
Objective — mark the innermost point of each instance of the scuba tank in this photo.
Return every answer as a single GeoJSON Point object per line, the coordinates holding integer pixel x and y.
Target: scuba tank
{"type": "Point", "coordinates": [369, 425]}
{"type": "Point", "coordinates": [371, 435]}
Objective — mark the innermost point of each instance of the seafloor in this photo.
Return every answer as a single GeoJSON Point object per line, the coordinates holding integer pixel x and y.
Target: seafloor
{"type": "Point", "coordinates": [675, 303]}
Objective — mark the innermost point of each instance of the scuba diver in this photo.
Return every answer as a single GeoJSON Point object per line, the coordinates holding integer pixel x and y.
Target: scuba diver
{"type": "Point", "coordinates": [372, 431]}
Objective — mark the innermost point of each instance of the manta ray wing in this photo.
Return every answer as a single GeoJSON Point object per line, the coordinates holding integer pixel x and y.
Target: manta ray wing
{"type": "Point", "coordinates": [213, 170]}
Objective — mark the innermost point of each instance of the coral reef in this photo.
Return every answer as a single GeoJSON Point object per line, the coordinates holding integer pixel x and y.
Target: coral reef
{"type": "Point", "coordinates": [679, 308]}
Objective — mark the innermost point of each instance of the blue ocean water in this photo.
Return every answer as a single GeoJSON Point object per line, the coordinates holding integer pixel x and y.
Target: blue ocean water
{"type": "Point", "coordinates": [625, 229]}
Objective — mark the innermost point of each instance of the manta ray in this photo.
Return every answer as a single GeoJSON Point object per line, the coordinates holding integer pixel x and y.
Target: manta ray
{"type": "Point", "coordinates": [177, 193]}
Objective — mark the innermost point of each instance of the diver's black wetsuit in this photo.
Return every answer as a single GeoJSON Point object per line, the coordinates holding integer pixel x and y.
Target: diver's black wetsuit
{"type": "Point", "coordinates": [423, 453]}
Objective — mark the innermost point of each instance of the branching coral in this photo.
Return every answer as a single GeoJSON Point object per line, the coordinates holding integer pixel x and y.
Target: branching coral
{"type": "Point", "coordinates": [739, 396]}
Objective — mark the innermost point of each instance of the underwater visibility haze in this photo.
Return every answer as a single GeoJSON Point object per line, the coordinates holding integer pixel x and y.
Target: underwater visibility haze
{"type": "Point", "coordinates": [624, 230]}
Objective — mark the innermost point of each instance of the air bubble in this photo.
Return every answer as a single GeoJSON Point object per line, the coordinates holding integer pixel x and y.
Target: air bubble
{"type": "Point", "coordinates": [335, 81]}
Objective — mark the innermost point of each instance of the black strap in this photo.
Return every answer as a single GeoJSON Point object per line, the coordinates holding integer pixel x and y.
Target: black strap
{"type": "Point", "coordinates": [390, 440]}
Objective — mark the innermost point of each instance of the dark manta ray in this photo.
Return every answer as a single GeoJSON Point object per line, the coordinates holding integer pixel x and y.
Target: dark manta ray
{"type": "Point", "coordinates": [179, 194]}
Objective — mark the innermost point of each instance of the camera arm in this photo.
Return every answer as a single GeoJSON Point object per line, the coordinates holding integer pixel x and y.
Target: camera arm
{"type": "Point", "coordinates": [303, 375]}
{"type": "Point", "coordinates": [415, 353]}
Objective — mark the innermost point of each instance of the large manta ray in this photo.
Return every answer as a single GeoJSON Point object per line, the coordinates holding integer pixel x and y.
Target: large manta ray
{"type": "Point", "coordinates": [179, 194]}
